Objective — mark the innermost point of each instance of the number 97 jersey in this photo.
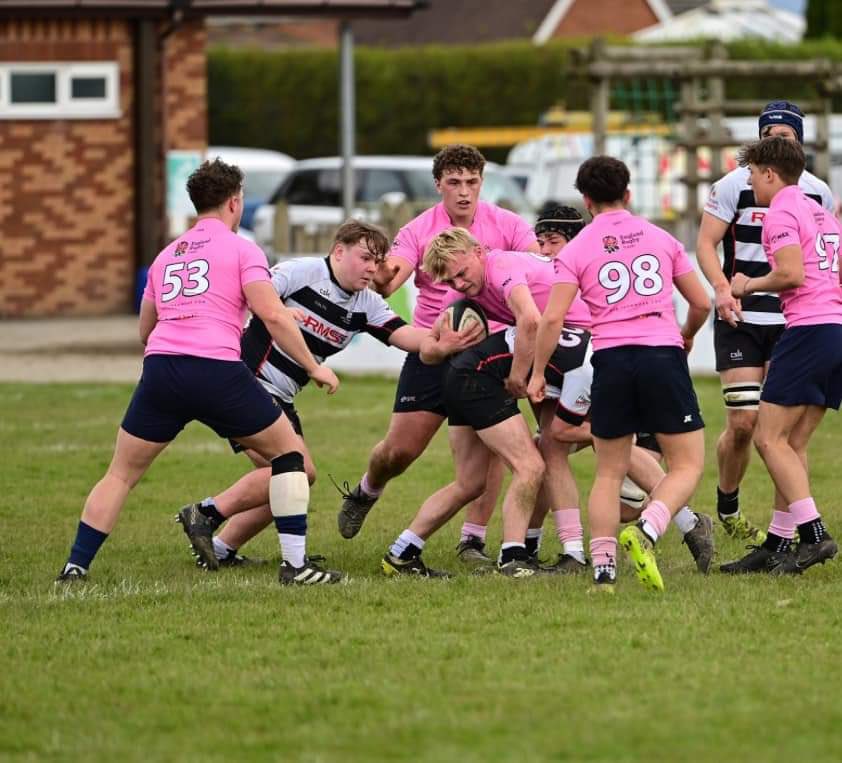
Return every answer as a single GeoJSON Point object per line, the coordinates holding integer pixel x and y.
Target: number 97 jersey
{"type": "Point", "coordinates": [197, 283]}
{"type": "Point", "coordinates": [624, 267]}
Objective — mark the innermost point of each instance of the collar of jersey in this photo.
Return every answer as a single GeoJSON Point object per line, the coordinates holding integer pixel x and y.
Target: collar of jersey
{"type": "Point", "coordinates": [333, 277]}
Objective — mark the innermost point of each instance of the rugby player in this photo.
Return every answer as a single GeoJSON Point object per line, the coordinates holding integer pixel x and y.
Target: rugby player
{"type": "Point", "coordinates": [418, 409]}
{"type": "Point", "coordinates": [624, 268]}
{"type": "Point", "coordinates": [194, 306]}
{"type": "Point", "coordinates": [801, 241]}
{"type": "Point", "coordinates": [333, 304]}
{"type": "Point", "coordinates": [745, 330]}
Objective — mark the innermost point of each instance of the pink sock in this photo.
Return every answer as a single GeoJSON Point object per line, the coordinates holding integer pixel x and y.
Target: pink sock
{"type": "Point", "coordinates": [783, 525]}
{"type": "Point", "coordinates": [469, 529]}
{"type": "Point", "coordinates": [657, 516]}
{"type": "Point", "coordinates": [803, 511]}
{"type": "Point", "coordinates": [367, 488]}
{"type": "Point", "coordinates": [603, 551]}
{"type": "Point", "coordinates": [568, 525]}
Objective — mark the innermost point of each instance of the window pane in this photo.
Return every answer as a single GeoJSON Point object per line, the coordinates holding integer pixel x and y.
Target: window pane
{"type": "Point", "coordinates": [33, 88]}
{"type": "Point", "coordinates": [87, 87]}
{"type": "Point", "coordinates": [380, 182]}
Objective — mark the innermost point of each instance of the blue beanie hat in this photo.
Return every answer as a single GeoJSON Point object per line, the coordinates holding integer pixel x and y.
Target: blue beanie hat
{"type": "Point", "coordinates": [783, 113]}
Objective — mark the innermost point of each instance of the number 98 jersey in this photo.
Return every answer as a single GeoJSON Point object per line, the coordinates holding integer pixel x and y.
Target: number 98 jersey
{"type": "Point", "coordinates": [624, 267]}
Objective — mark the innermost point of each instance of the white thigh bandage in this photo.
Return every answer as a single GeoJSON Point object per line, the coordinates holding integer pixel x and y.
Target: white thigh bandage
{"type": "Point", "coordinates": [289, 489]}
{"type": "Point", "coordinates": [741, 396]}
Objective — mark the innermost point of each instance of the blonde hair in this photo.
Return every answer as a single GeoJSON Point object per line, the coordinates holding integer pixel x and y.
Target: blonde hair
{"type": "Point", "coordinates": [441, 251]}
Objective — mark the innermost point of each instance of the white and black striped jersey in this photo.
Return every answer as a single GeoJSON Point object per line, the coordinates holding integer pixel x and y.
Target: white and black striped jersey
{"type": "Point", "coordinates": [332, 317]}
{"type": "Point", "coordinates": [732, 201]}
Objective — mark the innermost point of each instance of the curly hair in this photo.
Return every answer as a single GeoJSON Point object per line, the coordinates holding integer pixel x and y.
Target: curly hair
{"type": "Point", "coordinates": [212, 183]}
{"type": "Point", "coordinates": [457, 157]}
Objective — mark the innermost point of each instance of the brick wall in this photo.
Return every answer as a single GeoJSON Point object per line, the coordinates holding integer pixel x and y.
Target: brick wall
{"type": "Point", "coordinates": [67, 201]}
{"type": "Point", "coordinates": [587, 17]}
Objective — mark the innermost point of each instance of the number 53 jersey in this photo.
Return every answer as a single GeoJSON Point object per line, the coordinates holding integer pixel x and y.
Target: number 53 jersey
{"type": "Point", "coordinates": [197, 283]}
{"type": "Point", "coordinates": [624, 267]}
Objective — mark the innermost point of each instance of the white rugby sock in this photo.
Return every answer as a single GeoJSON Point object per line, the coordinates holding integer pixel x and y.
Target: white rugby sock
{"type": "Point", "coordinates": [685, 520]}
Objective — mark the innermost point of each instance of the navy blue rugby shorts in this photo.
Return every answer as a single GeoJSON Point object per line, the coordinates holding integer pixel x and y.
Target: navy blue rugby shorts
{"type": "Point", "coordinates": [176, 389]}
{"type": "Point", "coordinates": [642, 389]}
{"type": "Point", "coordinates": [806, 367]}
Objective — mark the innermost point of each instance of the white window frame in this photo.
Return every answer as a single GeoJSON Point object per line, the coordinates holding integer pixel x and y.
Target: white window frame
{"type": "Point", "coordinates": [65, 106]}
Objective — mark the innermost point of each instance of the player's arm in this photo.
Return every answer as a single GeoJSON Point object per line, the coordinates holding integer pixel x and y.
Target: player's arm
{"type": "Point", "coordinates": [148, 319]}
{"type": "Point", "coordinates": [534, 248]}
{"type": "Point", "coordinates": [441, 340]}
{"type": "Point", "coordinates": [263, 301]}
{"type": "Point", "coordinates": [549, 331]}
{"type": "Point", "coordinates": [711, 232]}
{"type": "Point", "coordinates": [788, 273]}
{"type": "Point", "coordinates": [391, 275]}
{"type": "Point", "coordinates": [527, 318]}
{"type": "Point", "coordinates": [693, 291]}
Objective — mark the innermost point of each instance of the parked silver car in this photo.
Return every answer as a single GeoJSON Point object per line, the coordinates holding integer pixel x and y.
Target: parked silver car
{"type": "Point", "coordinates": [313, 191]}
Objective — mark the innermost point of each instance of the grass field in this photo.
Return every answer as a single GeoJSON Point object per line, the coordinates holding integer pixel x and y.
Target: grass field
{"type": "Point", "coordinates": [155, 660]}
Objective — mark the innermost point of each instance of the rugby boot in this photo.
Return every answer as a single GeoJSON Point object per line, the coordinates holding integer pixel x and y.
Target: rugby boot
{"type": "Point", "coordinates": [641, 551]}
{"type": "Point", "coordinates": [700, 543]}
{"type": "Point", "coordinates": [414, 566]}
{"type": "Point", "coordinates": [199, 530]}
{"type": "Point", "coordinates": [740, 528]}
{"type": "Point", "coordinates": [355, 507]}
{"type": "Point", "coordinates": [233, 559]}
{"type": "Point", "coordinates": [604, 579]}
{"type": "Point", "coordinates": [519, 568]}
{"type": "Point", "coordinates": [565, 565]}
{"type": "Point", "coordinates": [309, 573]}
{"type": "Point", "coordinates": [805, 556]}
{"type": "Point", "coordinates": [471, 552]}
{"type": "Point", "coordinates": [72, 573]}
{"type": "Point", "coordinates": [759, 559]}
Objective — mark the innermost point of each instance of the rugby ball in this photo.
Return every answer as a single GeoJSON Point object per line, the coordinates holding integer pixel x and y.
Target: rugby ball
{"type": "Point", "coordinates": [464, 312]}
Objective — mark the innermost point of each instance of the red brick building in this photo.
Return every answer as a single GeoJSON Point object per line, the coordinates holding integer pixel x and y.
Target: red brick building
{"type": "Point", "coordinates": [92, 96]}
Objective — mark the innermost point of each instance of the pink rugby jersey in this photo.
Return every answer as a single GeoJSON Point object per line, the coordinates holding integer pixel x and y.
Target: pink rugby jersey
{"type": "Point", "coordinates": [795, 219]}
{"type": "Point", "coordinates": [624, 267]}
{"type": "Point", "coordinates": [197, 283]}
{"type": "Point", "coordinates": [493, 227]}
{"type": "Point", "coordinates": [506, 270]}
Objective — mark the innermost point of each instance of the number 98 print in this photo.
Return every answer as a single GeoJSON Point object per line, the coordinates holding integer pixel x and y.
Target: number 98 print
{"type": "Point", "coordinates": [187, 284]}
{"type": "Point", "coordinates": [646, 282]}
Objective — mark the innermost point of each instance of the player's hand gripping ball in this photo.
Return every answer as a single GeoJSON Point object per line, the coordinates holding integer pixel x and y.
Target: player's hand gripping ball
{"type": "Point", "coordinates": [465, 312]}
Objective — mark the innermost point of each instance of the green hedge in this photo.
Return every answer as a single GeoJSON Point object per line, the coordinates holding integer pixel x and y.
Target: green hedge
{"type": "Point", "coordinates": [288, 100]}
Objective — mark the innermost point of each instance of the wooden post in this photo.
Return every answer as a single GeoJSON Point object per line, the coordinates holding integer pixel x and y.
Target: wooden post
{"type": "Point", "coordinates": [691, 174]}
{"type": "Point", "coordinates": [822, 163]}
{"type": "Point", "coordinates": [716, 97]}
{"type": "Point", "coordinates": [600, 99]}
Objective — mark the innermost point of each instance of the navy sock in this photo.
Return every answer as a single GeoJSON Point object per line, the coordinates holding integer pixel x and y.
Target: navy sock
{"type": "Point", "coordinates": [88, 541]}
